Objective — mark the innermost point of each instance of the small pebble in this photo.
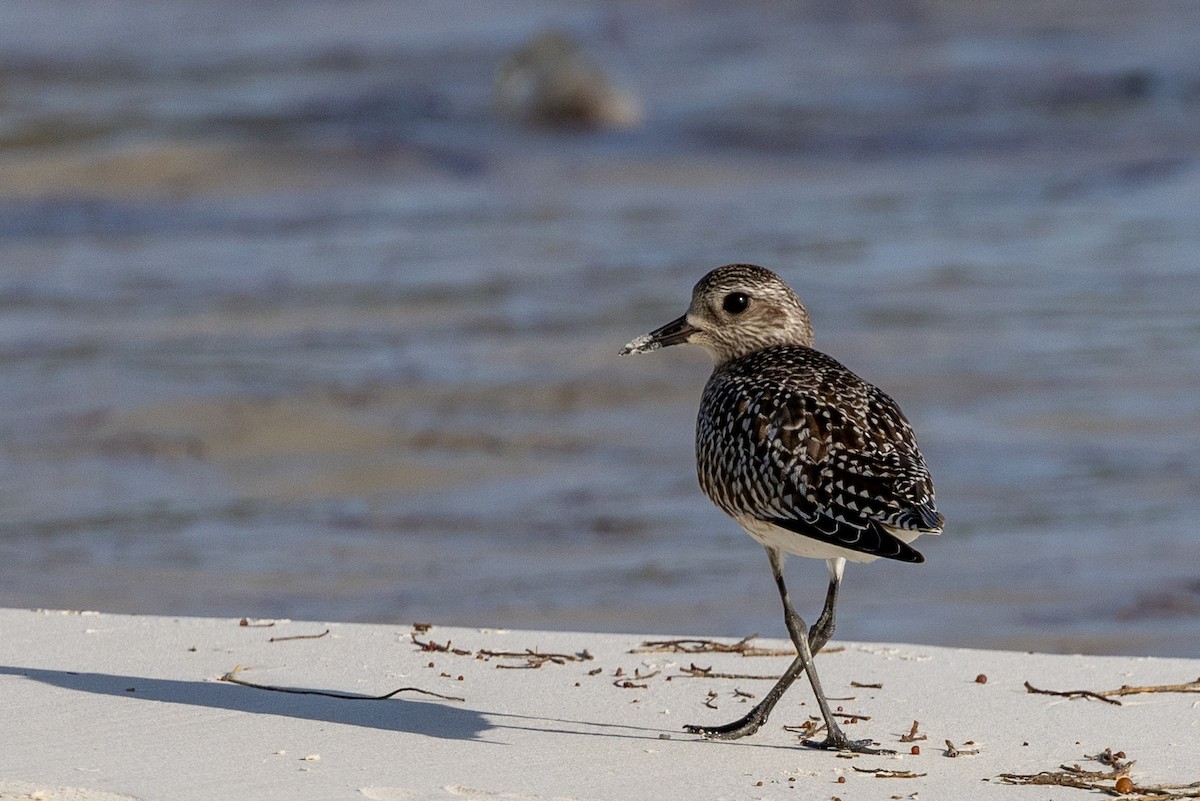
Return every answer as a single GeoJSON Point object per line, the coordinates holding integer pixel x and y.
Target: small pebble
{"type": "Point", "coordinates": [981, 679]}
{"type": "Point", "coordinates": [1124, 785]}
{"type": "Point", "coordinates": [841, 780]}
{"type": "Point", "coordinates": [916, 750]}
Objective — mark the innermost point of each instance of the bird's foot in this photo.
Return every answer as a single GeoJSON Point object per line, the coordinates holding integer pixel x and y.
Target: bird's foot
{"type": "Point", "coordinates": [743, 727]}
{"type": "Point", "coordinates": [841, 742]}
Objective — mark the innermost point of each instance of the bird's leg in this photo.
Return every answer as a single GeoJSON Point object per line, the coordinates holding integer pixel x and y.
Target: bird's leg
{"type": "Point", "coordinates": [835, 739]}
{"type": "Point", "coordinates": [822, 630]}
{"type": "Point", "coordinates": [756, 717]}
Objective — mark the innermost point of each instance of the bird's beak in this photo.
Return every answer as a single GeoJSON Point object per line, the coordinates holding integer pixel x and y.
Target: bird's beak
{"type": "Point", "coordinates": [673, 333]}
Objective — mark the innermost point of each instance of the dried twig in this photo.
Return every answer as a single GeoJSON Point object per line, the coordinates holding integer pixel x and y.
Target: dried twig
{"type": "Point", "coordinates": [912, 735]}
{"type": "Point", "coordinates": [1110, 696]}
{"type": "Point", "coordinates": [701, 646]}
{"type": "Point", "coordinates": [632, 683]}
{"type": "Point", "coordinates": [1073, 776]}
{"type": "Point", "coordinates": [1063, 778]}
{"type": "Point", "coordinates": [696, 672]}
{"type": "Point", "coordinates": [1115, 781]}
{"type": "Point", "coordinates": [884, 773]}
{"type": "Point", "coordinates": [232, 678]}
{"type": "Point", "coordinates": [534, 658]}
{"type": "Point", "coordinates": [1073, 694]}
{"type": "Point", "coordinates": [737, 693]}
{"type": "Point", "coordinates": [864, 686]}
{"type": "Point", "coordinates": [954, 751]}
{"type": "Point", "coordinates": [300, 637]}
{"type": "Point", "coordinates": [808, 729]}
{"type": "Point", "coordinates": [430, 645]}
{"type": "Point", "coordinates": [1166, 792]}
{"type": "Point", "coordinates": [851, 717]}
{"type": "Point", "coordinates": [1125, 689]}
{"type": "Point", "coordinates": [704, 646]}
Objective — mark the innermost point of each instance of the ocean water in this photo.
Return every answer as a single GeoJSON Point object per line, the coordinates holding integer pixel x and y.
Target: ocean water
{"type": "Point", "coordinates": [293, 323]}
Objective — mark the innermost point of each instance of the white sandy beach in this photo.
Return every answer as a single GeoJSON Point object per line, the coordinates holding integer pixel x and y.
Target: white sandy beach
{"type": "Point", "coordinates": [98, 707]}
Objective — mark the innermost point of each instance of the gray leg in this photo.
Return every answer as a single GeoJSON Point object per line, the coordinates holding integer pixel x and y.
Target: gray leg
{"type": "Point", "coordinates": [822, 630]}
{"type": "Point", "coordinates": [756, 717]}
{"type": "Point", "coordinates": [803, 662]}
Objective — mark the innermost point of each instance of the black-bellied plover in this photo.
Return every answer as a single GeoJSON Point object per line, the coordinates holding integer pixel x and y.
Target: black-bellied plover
{"type": "Point", "coordinates": [806, 456]}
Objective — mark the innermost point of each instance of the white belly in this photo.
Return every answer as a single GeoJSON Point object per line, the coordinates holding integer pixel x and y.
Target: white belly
{"type": "Point", "coordinates": [772, 536]}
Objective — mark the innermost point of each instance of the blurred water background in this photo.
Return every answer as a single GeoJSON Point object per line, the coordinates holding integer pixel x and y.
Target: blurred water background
{"type": "Point", "coordinates": [293, 322]}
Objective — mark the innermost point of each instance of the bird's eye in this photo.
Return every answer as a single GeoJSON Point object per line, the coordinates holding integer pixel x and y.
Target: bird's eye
{"type": "Point", "coordinates": [735, 302]}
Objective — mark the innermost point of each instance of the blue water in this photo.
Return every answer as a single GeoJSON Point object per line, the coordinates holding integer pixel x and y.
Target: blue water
{"type": "Point", "coordinates": [294, 323]}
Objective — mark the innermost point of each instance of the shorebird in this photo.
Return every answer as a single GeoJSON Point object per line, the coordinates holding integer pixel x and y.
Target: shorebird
{"type": "Point", "coordinates": [806, 456]}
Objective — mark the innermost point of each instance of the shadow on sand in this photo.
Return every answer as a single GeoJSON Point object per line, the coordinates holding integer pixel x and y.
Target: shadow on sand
{"type": "Point", "coordinates": [429, 718]}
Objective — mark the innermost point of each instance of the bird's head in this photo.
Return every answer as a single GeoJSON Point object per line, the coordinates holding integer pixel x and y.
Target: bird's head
{"type": "Point", "coordinates": [736, 310]}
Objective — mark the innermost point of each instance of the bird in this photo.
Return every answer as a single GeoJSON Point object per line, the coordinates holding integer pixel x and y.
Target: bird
{"type": "Point", "coordinates": [808, 458]}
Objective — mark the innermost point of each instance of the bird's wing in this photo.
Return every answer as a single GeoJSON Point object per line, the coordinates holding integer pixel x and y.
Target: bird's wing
{"type": "Point", "coordinates": [847, 474]}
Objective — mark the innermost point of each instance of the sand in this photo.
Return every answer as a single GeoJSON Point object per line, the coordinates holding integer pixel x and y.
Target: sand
{"type": "Point", "coordinates": [99, 707]}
